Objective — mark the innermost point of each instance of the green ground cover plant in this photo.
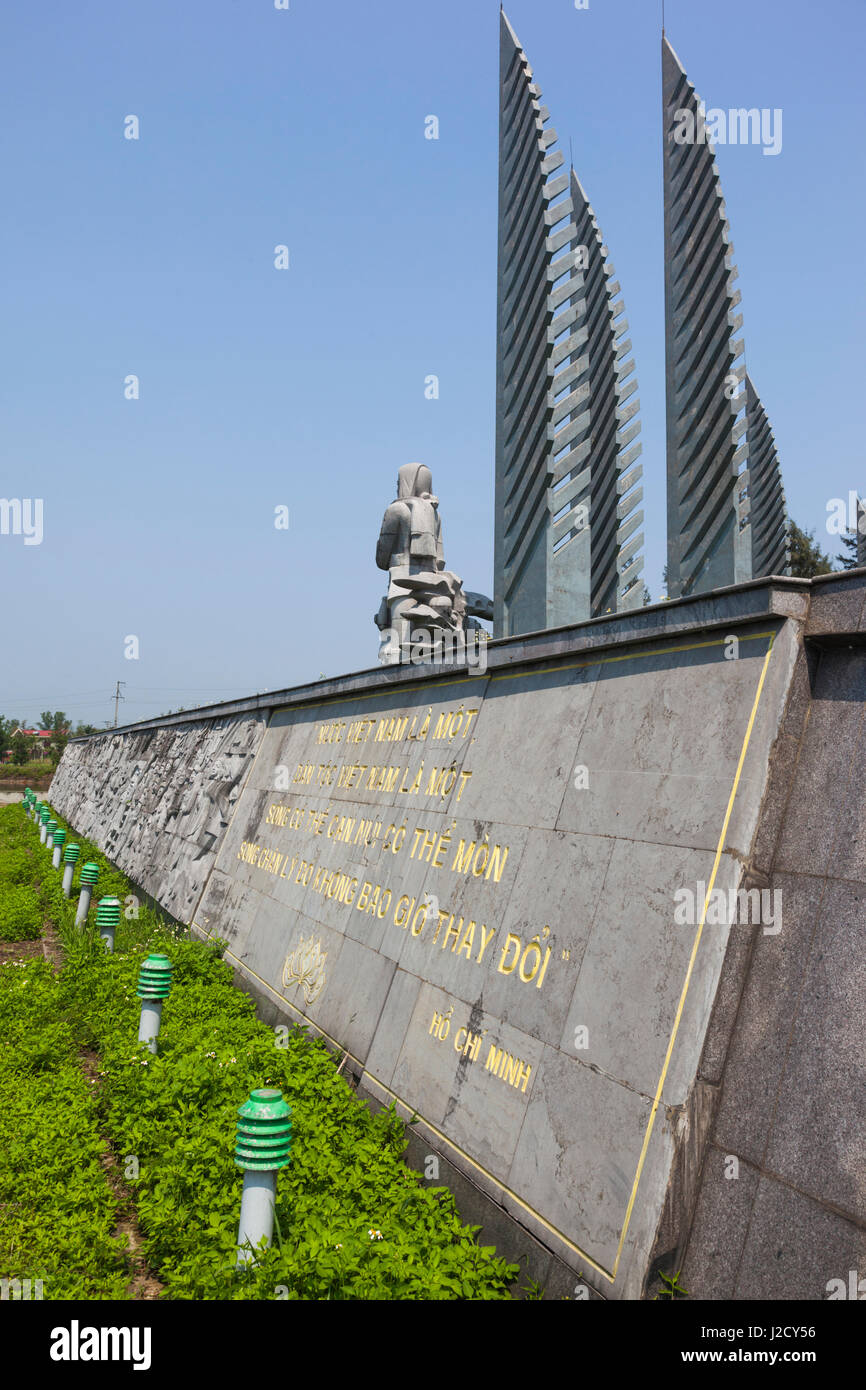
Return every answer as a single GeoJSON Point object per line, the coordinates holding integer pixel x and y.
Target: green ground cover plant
{"type": "Point", "coordinates": [57, 1210]}
{"type": "Point", "coordinates": [353, 1221]}
{"type": "Point", "coordinates": [20, 913]}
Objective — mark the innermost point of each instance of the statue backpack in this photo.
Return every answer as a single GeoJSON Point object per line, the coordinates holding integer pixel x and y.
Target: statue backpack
{"type": "Point", "coordinates": [423, 527]}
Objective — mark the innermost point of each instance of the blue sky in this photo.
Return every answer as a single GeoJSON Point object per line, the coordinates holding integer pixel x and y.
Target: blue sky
{"type": "Point", "coordinates": [305, 387]}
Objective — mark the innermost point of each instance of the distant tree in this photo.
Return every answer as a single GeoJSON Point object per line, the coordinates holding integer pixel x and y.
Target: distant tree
{"type": "Point", "coordinates": [6, 727]}
{"type": "Point", "coordinates": [848, 559]}
{"type": "Point", "coordinates": [46, 719]}
{"type": "Point", "coordinates": [647, 596]}
{"type": "Point", "coordinates": [807, 558]}
{"type": "Point", "coordinates": [20, 749]}
{"type": "Point", "coordinates": [81, 730]}
{"type": "Point", "coordinates": [59, 722]}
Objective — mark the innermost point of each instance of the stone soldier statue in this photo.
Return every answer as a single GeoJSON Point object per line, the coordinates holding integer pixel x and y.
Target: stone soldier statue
{"type": "Point", "coordinates": [423, 597]}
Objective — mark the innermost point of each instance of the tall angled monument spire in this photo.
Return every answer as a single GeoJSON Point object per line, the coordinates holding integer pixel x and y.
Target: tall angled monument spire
{"type": "Point", "coordinates": [615, 536]}
{"type": "Point", "coordinates": [708, 502]}
{"type": "Point", "coordinates": [567, 533]}
{"type": "Point", "coordinates": [768, 523]}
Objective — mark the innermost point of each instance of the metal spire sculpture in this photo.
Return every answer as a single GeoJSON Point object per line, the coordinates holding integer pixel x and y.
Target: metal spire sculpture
{"type": "Point", "coordinates": [768, 521]}
{"type": "Point", "coordinates": [708, 504]}
{"type": "Point", "coordinates": [566, 535]}
{"type": "Point", "coordinates": [613, 487]}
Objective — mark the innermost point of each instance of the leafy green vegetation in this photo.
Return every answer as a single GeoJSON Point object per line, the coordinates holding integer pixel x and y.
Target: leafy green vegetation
{"type": "Point", "coordinates": [671, 1286]}
{"type": "Point", "coordinates": [807, 557]}
{"type": "Point", "coordinates": [27, 771]}
{"type": "Point", "coordinates": [57, 1210]}
{"type": "Point", "coordinates": [353, 1222]}
{"type": "Point", "coordinates": [20, 913]}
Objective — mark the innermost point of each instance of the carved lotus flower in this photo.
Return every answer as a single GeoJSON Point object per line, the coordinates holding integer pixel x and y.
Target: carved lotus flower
{"type": "Point", "coordinates": [305, 966]}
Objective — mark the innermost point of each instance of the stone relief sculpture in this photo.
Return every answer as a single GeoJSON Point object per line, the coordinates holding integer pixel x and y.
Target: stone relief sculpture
{"type": "Point", "coordinates": [305, 966]}
{"type": "Point", "coordinates": [423, 596]}
{"type": "Point", "coordinates": [163, 797]}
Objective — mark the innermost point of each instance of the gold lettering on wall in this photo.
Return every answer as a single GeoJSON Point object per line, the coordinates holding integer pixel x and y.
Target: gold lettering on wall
{"type": "Point", "coordinates": [370, 840]}
{"type": "Point", "coordinates": [502, 1064]}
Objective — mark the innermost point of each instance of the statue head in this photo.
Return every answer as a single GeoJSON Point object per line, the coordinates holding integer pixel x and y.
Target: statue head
{"type": "Point", "coordinates": [414, 480]}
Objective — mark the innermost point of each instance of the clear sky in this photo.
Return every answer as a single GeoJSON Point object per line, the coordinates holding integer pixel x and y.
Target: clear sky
{"type": "Point", "coordinates": [304, 387]}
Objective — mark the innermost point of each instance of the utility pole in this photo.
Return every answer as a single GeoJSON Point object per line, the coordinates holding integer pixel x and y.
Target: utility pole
{"type": "Point", "coordinates": [117, 698]}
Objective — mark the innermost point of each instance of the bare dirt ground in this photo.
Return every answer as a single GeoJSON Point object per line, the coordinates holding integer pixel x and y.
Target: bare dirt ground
{"type": "Point", "coordinates": [19, 950]}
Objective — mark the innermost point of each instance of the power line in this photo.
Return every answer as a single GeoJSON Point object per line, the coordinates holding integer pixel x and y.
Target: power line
{"type": "Point", "coordinates": [117, 698]}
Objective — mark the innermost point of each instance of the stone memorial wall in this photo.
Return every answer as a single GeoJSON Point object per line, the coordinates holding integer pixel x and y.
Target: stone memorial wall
{"type": "Point", "coordinates": [495, 890]}
{"type": "Point", "coordinates": [470, 887]}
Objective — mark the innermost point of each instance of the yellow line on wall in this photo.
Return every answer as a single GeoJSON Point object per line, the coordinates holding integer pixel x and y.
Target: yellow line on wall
{"type": "Point", "coordinates": [695, 944]}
